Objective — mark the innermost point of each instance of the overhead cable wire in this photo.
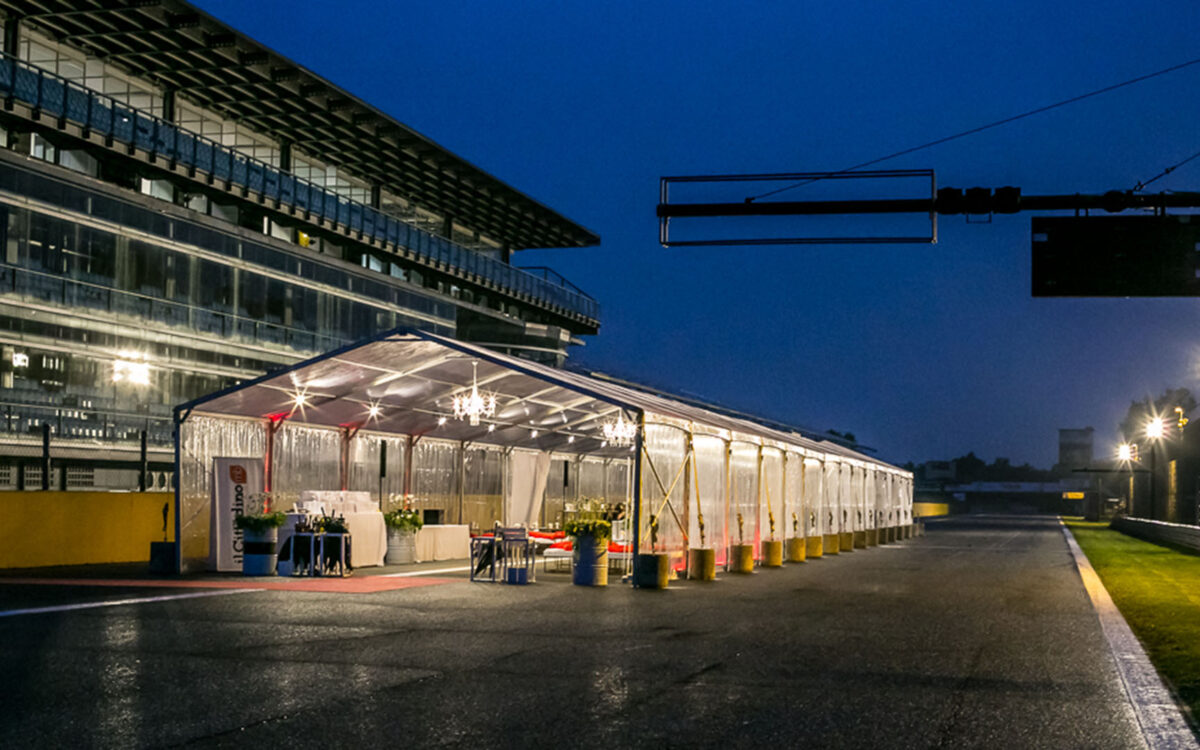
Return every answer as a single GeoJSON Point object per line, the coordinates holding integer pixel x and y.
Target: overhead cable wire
{"type": "Point", "coordinates": [989, 126]}
{"type": "Point", "coordinates": [1165, 172]}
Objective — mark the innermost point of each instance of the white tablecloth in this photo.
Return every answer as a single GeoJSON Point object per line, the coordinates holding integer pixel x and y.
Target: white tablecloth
{"type": "Point", "coordinates": [368, 535]}
{"type": "Point", "coordinates": [443, 542]}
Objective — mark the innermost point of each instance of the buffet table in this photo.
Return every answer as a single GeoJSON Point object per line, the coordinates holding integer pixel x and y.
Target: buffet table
{"type": "Point", "coordinates": [442, 542]}
{"type": "Point", "coordinates": [367, 532]}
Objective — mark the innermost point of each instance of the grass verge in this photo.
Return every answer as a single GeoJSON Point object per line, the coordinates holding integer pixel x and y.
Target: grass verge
{"type": "Point", "coordinates": [1157, 590]}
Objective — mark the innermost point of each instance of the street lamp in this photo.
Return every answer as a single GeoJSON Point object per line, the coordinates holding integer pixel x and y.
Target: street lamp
{"type": "Point", "coordinates": [1127, 453]}
{"type": "Point", "coordinates": [1155, 430]}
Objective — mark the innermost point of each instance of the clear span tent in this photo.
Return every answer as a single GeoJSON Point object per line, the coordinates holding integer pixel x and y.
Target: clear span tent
{"type": "Point", "coordinates": [377, 416]}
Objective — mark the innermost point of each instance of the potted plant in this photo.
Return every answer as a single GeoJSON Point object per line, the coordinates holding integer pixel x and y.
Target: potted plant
{"type": "Point", "coordinates": [403, 525]}
{"type": "Point", "coordinates": [654, 568]}
{"type": "Point", "coordinates": [795, 543]}
{"type": "Point", "coordinates": [814, 543]}
{"type": "Point", "coordinates": [260, 533]}
{"type": "Point", "coordinates": [702, 560]}
{"type": "Point", "coordinates": [772, 548]}
{"type": "Point", "coordinates": [590, 544]}
{"type": "Point", "coordinates": [741, 555]}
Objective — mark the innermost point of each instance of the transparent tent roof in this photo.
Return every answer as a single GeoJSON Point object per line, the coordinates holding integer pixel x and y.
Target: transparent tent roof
{"type": "Point", "coordinates": [404, 382]}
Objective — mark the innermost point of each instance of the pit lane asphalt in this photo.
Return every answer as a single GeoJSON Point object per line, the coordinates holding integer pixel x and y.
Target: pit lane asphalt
{"type": "Point", "coordinates": [979, 634]}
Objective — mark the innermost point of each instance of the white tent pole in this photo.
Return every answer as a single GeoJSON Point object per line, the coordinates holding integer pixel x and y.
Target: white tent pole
{"type": "Point", "coordinates": [462, 478]}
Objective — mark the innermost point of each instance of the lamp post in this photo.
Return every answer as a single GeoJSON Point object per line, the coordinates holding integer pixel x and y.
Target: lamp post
{"type": "Point", "coordinates": [1155, 429]}
{"type": "Point", "coordinates": [1127, 453]}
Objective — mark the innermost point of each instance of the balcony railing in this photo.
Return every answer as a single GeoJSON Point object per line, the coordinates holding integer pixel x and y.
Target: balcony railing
{"type": "Point", "coordinates": [55, 96]}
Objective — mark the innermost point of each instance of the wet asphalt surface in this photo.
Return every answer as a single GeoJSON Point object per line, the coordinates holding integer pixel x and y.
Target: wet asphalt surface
{"type": "Point", "coordinates": [979, 634]}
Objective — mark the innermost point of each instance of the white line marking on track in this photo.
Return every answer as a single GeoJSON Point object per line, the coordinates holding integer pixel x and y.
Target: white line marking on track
{"type": "Point", "coordinates": [121, 602]}
{"type": "Point", "coordinates": [1161, 721]}
{"type": "Point", "coordinates": [426, 572]}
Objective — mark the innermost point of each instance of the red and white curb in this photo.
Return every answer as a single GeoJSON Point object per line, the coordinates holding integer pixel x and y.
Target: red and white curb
{"type": "Point", "coordinates": [1160, 718]}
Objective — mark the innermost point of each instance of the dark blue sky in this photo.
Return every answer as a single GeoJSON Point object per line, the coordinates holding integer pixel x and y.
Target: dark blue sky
{"type": "Point", "coordinates": [922, 351]}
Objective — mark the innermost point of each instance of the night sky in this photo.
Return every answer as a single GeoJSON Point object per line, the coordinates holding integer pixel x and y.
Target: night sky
{"type": "Point", "coordinates": [923, 351]}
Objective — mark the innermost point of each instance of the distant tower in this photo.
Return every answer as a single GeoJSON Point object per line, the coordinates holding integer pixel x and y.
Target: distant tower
{"type": "Point", "coordinates": [1074, 448]}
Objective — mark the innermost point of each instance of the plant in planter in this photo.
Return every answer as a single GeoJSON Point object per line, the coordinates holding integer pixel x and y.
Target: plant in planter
{"type": "Point", "coordinates": [702, 561]}
{"type": "Point", "coordinates": [741, 555]}
{"type": "Point", "coordinates": [260, 533]}
{"type": "Point", "coordinates": [654, 569]}
{"type": "Point", "coordinates": [590, 560]}
{"type": "Point", "coordinates": [772, 548]}
{"type": "Point", "coordinates": [403, 525]}
{"type": "Point", "coordinates": [795, 544]}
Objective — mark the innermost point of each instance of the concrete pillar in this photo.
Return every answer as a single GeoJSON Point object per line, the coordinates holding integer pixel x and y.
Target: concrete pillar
{"type": "Point", "coordinates": [168, 105]}
{"type": "Point", "coordinates": [12, 35]}
{"type": "Point", "coordinates": [285, 156]}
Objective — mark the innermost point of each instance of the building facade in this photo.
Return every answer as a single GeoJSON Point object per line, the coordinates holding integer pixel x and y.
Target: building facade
{"type": "Point", "coordinates": [182, 208]}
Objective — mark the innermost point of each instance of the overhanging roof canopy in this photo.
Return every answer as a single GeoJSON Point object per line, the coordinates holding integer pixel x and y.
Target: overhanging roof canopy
{"type": "Point", "coordinates": [180, 47]}
{"type": "Point", "coordinates": [403, 382]}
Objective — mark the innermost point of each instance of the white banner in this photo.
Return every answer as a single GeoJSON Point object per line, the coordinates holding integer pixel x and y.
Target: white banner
{"type": "Point", "coordinates": [526, 487]}
{"type": "Point", "coordinates": [234, 481]}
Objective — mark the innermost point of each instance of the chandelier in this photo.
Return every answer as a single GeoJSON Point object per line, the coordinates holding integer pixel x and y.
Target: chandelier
{"type": "Point", "coordinates": [471, 406]}
{"type": "Point", "coordinates": [619, 431]}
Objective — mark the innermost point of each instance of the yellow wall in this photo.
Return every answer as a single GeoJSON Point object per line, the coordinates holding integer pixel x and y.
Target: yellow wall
{"type": "Point", "coordinates": [925, 510]}
{"type": "Point", "coordinates": [78, 528]}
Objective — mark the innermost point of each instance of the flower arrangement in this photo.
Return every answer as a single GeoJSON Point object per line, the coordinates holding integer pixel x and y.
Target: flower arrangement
{"type": "Point", "coordinates": [258, 516]}
{"type": "Point", "coordinates": [332, 525]}
{"type": "Point", "coordinates": [597, 528]}
{"type": "Point", "coordinates": [404, 519]}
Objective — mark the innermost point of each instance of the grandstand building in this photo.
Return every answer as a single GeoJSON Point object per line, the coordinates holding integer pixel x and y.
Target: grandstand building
{"type": "Point", "coordinates": [182, 208]}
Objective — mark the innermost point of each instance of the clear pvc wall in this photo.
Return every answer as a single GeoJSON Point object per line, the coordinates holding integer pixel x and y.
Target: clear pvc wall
{"type": "Point", "coordinates": [845, 499]}
{"type": "Point", "coordinates": [483, 486]}
{"type": "Point", "coordinates": [663, 490]}
{"type": "Point", "coordinates": [814, 497]}
{"type": "Point", "coordinates": [435, 477]}
{"type": "Point", "coordinates": [707, 495]}
{"type": "Point", "coordinates": [772, 511]}
{"type": "Point", "coordinates": [793, 523]}
{"type": "Point", "coordinates": [562, 491]}
{"type": "Point", "coordinates": [743, 494]}
{"type": "Point", "coordinates": [832, 516]}
{"type": "Point", "coordinates": [717, 479]}
{"type": "Point", "coordinates": [304, 458]}
{"type": "Point", "coordinates": [383, 479]}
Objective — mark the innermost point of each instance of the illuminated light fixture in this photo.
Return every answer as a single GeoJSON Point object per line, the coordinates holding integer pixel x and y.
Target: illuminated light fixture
{"type": "Point", "coordinates": [471, 406]}
{"type": "Point", "coordinates": [20, 360]}
{"type": "Point", "coordinates": [1155, 428]}
{"type": "Point", "coordinates": [441, 421]}
{"type": "Point", "coordinates": [620, 431]}
{"type": "Point", "coordinates": [373, 411]}
{"type": "Point", "coordinates": [533, 434]}
{"type": "Point", "coordinates": [1125, 452]}
{"type": "Point", "coordinates": [300, 400]}
{"type": "Point", "coordinates": [129, 371]}
{"type": "Point", "coordinates": [603, 443]}
{"type": "Point", "coordinates": [491, 428]}
{"type": "Point", "coordinates": [571, 439]}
